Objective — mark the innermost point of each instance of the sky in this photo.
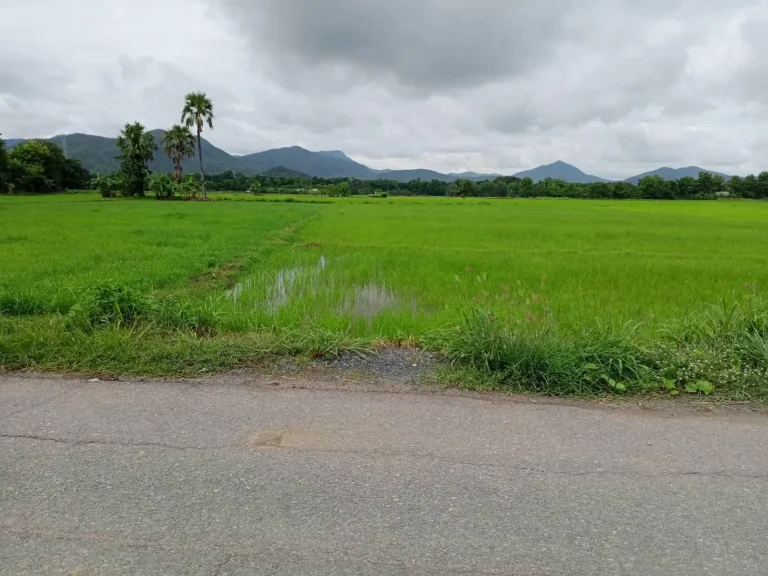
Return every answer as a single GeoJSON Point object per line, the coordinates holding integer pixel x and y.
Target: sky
{"type": "Point", "coordinates": [615, 87]}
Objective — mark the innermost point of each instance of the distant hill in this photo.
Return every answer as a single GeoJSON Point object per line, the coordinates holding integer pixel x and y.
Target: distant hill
{"type": "Point", "coordinates": [675, 174]}
{"type": "Point", "coordinates": [476, 176]}
{"type": "Point", "coordinates": [99, 154]}
{"type": "Point", "coordinates": [283, 172]}
{"type": "Point", "coordinates": [320, 164]}
{"type": "Point", "coordinates": [428, 175]}
{"type": "Point", "coordinates": [560, 171]}
{"type": "Point", "coordinates": [11, 142]}
{"type": "Point", "coordinates": [408, 175]}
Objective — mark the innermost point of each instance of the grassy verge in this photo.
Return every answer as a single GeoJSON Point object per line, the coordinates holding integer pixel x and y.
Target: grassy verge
{"type": "Point", "coordinates": [721, 351]}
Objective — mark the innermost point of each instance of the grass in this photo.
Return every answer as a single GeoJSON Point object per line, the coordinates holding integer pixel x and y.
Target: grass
{"type": "Point", "coordinates": [554, 296]}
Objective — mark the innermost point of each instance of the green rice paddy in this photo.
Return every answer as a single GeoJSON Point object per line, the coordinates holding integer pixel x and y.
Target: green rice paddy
{"type": "Point", "coordinates": [362, 270]}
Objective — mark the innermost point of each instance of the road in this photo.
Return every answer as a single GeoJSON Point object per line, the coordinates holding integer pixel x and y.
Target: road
{"type": "Point", "coordinates": [229, 478]}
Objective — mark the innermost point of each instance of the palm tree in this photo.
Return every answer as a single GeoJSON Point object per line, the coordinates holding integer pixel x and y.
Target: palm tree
{"type": "Point", "coordinates": [137, 150]}
{"type": "Point", "coordinates": [136, 142]}
{"type": "Point", "coordinates": [178, 143]}
{"type": "Point", "coordinates": [198, 110]}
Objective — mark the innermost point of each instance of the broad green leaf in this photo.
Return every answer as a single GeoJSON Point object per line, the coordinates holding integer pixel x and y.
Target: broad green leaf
{"type": "Point", "coordinates": [706, 387]}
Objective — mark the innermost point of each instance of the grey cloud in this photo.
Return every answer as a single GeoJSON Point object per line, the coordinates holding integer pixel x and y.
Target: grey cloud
{"type": "Point", "coordinates": [30, 78]}
{"type": "Point", "coordinates": [427, 43]}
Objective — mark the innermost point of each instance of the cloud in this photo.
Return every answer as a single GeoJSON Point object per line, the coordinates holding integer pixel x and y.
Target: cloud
{"type": "Point", "coordinates": [428, 43]}
{"type": "Point", "coordinates": [614, 86]}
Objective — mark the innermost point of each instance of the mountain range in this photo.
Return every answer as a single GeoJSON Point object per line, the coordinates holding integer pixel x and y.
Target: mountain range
{"type": "Point", "coordinates": [99, 155]}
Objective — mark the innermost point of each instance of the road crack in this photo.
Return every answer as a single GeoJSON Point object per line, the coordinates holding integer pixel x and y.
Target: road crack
{"type": "Point", "coordinates": [107, 442]}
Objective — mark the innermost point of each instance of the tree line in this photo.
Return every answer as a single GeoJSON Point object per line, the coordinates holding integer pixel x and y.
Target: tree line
{"type": "Point", "coordinates": [706, 187]}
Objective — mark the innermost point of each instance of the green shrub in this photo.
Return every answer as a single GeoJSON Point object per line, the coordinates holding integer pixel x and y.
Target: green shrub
{"type": "Point", "coordinates": [536, 359]}
{"type": "Point", "coordinates": [110, 305]}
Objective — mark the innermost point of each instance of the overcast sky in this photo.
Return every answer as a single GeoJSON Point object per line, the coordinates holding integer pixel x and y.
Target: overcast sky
{"type": "Point", "coordinates": [615, 87]}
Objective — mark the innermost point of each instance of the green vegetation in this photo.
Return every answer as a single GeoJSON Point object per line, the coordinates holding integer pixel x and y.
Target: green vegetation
{"type": "Point", "coordinates": [705, 187]}
{"type": "Point", "coordinates": [39, 167]}
{"type": "Point", "coordinates": [178, 144]}
{"type": "Point", "coordinates": [137, 149]}
{"type": "Point", "coordinates": [552, 296]}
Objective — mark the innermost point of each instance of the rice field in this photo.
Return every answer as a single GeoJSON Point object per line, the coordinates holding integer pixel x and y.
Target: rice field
{"type": "Point", "coordinates": [391, 270]}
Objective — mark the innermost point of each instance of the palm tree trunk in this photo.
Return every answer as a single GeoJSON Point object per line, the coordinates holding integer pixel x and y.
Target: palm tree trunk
{"type": "Point", "coordinates": [202, 171]}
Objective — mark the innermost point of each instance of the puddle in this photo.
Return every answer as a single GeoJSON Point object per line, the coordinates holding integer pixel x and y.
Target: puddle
{"type": "Point", "coordinates": [238, 289]}
{"type": "Point", "coordinates": [288, 284]}
{"type": "Point", "coordinates": [370, 300]}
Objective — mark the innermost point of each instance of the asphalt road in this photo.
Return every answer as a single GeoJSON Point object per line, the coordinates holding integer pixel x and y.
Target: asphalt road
{"type": "Point", "coordinates": [225, 478]}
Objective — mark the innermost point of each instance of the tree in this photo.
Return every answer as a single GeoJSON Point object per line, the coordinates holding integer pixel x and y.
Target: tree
{"type": "Point", "coordinates": [751, 187]}
{"type": "Point", "coordinates": [137, 150]}
{"type": "Point", "coordinates": [3, 166]}
{"type": "Point", "coordinates": [653, 188]}
{"type": "Point", "coordinates": [178, 144]}
{"type": "Point", "coordinates": [40, 167]}
{"type": "Point", "coordinates": [198, 110]}
{"type": "Point", "coordinates": [687, 187]}
{"type": "Point", "coordinates": [736, 187]}
{"type": "Point", "coordinates": [256, 187]}
{"type": "Point", "coordinates": [708, 185]}
{"type": "Point", "coordinates": [762, 185]}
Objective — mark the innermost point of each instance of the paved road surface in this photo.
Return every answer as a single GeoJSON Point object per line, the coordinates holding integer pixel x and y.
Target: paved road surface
{"type": "Point", "coordinates": [230, 479]}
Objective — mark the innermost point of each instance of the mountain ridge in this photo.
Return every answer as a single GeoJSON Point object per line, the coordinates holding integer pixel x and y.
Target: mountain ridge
{"type": "Point", "coordinates": [99, 155]}
{"type": "Point", "coordinates": [675, 174]}
{"type": "Point", "coordinates": [559, 170]}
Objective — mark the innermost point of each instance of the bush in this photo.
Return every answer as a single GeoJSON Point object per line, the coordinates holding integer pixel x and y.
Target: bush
{"type": "Point", "coordinates": [721, 349]}
{"type": "Point", "coordinates": [108, 186]}
{"type": "Point", "coordinates": [162, 185]}
{"type": "Point", "coordinates": [110, 305]}
{"type": "Point", "coordinates": [189, 188]}
{"type": "Point", "coordinates": [589, 363]}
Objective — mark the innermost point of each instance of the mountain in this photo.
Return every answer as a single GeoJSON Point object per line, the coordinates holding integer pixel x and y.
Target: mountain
{"type": "Point", "coordinates": [428, 175]}
{"type": "Point", "coordinates": [99, 154]}
{"type": "Point", "coordinates": [476, 176]}
{"type": "Point", "coordinates": [408, 175]}
{"type": "Point", "coordinates": [338, 154]}
{"type": "Point", "coordinates": [675, 174]}
{"type": "Point", "coordinates": [560, 171]}
{"type": "Point", "coordinates": [11, 142]}
{"type": "Point", "coordinates": [283, 172]}
{"type": "Point", "coordinates": [320, 164]}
